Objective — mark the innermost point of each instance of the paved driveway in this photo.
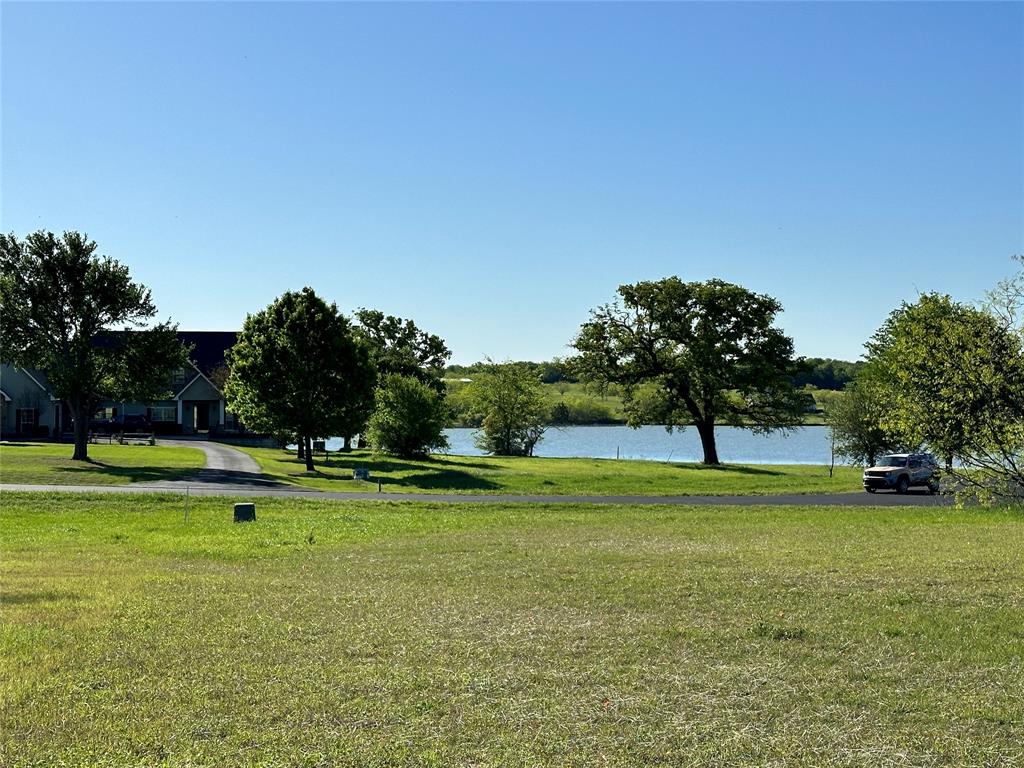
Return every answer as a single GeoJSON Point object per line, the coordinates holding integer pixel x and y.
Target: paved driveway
{"type": "Point", "coordinates": [226, 468]}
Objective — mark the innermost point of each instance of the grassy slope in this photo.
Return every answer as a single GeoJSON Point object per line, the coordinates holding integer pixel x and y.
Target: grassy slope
{"type": "Point", "coordinates": [50, 463]}
{"type": "Point", "coordinates": [382, 634]}
{"type": "Point", "coordinates": [468, 474]}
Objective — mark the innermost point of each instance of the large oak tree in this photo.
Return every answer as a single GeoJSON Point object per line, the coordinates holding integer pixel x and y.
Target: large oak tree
{"type": "Point", "coordinates": [80, 318]}
{"type": "Point", "coordinates": [299, 368]}
{"type": "Point", "coordinates": [708, 353]}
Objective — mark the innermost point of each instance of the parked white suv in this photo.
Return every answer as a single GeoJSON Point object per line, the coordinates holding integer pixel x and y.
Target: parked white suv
{"type": "Point", "coordinates": [902, 471]}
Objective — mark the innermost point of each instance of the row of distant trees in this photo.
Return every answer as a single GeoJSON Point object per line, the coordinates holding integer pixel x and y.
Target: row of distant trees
{"type": "Point", "coordinates": [817, 372]}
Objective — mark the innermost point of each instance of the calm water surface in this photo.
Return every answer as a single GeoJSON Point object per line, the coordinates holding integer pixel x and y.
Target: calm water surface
{"type": "Point", "coordinates": [809, 445]}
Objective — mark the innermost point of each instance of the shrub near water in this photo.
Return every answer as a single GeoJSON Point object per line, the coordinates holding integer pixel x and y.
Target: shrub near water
{"type": "Point", "coordinates": [408, 419]}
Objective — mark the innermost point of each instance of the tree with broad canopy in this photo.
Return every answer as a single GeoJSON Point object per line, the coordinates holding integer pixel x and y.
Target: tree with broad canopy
{"type": "Point", "coordinates": [710, 350]}
{"type": "Point", "coordinates": [60, 305]}
{"type": "Point", "coordinates": [298, 368]}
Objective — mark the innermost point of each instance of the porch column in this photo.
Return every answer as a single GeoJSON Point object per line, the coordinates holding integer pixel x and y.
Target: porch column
{"type": "Point", "coordinates": [179, 412]}
{"type": "Point", "coordinates": [221, 420]}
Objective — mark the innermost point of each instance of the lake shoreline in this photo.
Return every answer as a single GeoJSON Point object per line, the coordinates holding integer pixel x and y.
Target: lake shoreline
{"type": "Point", "coordinates": [736, 445]}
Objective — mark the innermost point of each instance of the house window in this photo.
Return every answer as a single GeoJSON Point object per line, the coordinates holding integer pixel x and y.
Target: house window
{"type": "Point", "coordinates": [27, 419]}
{"type": "Point", "coordinates": [163, 413]}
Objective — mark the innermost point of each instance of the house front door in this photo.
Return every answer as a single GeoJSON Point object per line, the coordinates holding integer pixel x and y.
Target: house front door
{"type": "Point", "coordinates": [202, 417]}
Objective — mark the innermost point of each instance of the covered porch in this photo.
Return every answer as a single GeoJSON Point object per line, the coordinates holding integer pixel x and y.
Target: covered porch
{"type": "Point", "coordinates": [200, 406]}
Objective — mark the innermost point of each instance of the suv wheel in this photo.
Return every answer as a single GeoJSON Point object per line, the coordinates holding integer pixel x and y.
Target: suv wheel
{"type": "Point", "coordinates": [902, 484]}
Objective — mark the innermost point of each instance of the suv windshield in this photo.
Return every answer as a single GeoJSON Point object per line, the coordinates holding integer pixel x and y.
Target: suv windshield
{"type": "Point", "coordinates": [893, 461]}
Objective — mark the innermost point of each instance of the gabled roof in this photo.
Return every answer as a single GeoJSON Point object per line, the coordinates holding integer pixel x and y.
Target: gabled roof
{"type": "Point", "coordinates": [4, 396]}
{"type": "Point", "coordinates": [37, 378]}
{"type": "Point", "coordinates": [192, 381]}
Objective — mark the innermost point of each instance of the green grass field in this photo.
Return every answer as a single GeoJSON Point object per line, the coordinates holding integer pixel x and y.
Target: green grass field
{"type": "Point", "coordinates": [379, 634]}
{"type": "Point", "coordinates": [518, 475]}
{"type": "Point", "coordinates": [51, 464]}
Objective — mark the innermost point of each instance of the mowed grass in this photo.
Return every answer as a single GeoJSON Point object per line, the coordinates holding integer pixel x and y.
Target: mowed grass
{"type": "Point", "coordinates": [521, 475]}
{"type": "Point", "coordinates": [380, 634]}
{"type": "Point", "coordinates": [51, 464]}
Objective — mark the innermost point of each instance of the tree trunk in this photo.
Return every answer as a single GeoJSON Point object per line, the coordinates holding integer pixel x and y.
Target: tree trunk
{"type": "Point", "coordinates": [706, 430]}
{"type": "Point", "coordinates": [300, 454]}
{"type": "Point", "coordinates": [81, 437]}
{"type": "Point", "coordinates": [832, 466]}
{"type": "Point", "coordinates": [309, 453]}
{"type": "Point", "coordinates": [347, 446]}
{"type": "Point", "coordinates": [81, 452]}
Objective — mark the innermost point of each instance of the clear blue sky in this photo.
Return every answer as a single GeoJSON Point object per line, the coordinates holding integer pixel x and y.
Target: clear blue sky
{"type": "Point", "coordinates": [494, 171]}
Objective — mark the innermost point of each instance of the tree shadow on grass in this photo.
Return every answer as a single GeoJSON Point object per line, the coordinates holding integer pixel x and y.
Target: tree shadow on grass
{"type": "Point", "coordinates": [390, 464]}
{"type": "Point", "coordinates": [443, 480]}
{"type": "Point", "coordinates": [734, 469]}
{"type": "Point", "coordinates": [132, 474]}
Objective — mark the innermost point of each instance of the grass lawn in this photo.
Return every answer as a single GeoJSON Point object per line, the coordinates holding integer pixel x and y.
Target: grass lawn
{"type": "Point", "coordinates": [51, 464]}
{"type": "Point", "coordinates": [494, 474]}
{"type": "Point", "coordinates": [373, 634]}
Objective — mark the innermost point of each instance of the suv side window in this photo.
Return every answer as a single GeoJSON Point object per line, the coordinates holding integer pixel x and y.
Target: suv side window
{"type": "Point", "coordinates": [914, 463]}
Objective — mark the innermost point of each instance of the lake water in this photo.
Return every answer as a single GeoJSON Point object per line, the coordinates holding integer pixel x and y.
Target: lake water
{"type": "Point", "coordinates": [809, 445]}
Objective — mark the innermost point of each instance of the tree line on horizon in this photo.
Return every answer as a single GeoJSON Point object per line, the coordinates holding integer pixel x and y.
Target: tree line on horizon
{"type": "Point", "coordinates": [817, 372]}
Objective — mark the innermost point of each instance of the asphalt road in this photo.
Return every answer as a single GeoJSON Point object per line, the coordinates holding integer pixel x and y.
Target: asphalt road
{"type": "Point", "coordinates": [271, 490]}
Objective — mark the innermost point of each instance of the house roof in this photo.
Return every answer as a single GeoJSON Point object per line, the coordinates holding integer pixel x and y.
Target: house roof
{"type": "Point", "coordinates": [192, 381]}
{"type": "Point", "coordinates": [208, 348]}
{"type": "Point", "coordinates": [38, 378]}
